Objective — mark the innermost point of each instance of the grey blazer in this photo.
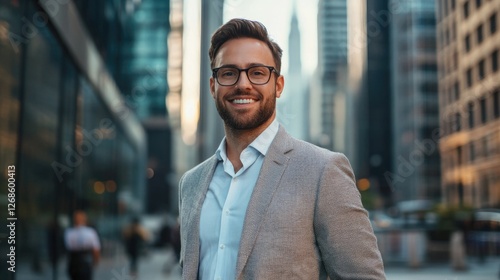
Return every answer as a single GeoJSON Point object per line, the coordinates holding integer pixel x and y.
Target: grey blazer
{"type": "Point", "coordinates": [304, 220]}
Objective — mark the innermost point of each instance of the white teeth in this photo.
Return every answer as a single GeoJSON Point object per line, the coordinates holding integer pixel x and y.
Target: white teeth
{"type": "Point", "coordinates": [243, 101]}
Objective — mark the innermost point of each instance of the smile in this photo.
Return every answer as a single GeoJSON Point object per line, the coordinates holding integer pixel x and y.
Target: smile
{"type": "Point", "coordinates": [243, 101]}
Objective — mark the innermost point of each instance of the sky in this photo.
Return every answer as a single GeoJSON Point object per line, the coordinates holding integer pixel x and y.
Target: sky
{"type": "Point", "coordinates": [276, 16]}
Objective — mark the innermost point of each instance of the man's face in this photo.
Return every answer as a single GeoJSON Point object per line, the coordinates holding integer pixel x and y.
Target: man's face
{"type": "Point", "coordinates": [245, 106]}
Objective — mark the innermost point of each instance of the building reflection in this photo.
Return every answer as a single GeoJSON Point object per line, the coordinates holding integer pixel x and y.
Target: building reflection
{"type": "Point", "coordinates": [67, 123]}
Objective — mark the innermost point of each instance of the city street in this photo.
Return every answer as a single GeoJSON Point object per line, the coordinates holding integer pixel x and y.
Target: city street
{"type": "Point", "coordinates": [160, 264]}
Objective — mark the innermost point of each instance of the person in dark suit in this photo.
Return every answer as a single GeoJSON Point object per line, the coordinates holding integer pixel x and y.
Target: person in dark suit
{"type": "Point", "coordinates": [266, 205]}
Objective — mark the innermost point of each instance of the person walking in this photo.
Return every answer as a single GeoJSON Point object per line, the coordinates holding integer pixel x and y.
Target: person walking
{"type": "Point", "coordinates": [135, 237]}
{"type": "Point", "coordinates": [83, 246]}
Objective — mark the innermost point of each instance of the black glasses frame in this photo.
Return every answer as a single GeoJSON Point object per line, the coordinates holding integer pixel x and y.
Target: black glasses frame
{"type": "Point", "coordinates": [271, 70]}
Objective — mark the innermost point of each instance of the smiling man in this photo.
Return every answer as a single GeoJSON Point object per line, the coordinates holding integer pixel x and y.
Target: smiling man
{"type": "Point", "coordinates": [266, 205]}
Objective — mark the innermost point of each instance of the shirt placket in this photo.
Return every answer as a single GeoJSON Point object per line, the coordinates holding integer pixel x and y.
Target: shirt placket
{"type": "Point", "coordinates": [248, 158]}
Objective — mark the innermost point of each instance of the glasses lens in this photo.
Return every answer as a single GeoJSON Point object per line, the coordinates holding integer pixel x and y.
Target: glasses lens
{"type": "Point", "coordinates": [259, 75]}
{"type": "Point", "coordinates": [227, 76]}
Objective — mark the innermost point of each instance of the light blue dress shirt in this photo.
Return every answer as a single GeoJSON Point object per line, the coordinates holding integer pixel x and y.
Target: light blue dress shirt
{"type": "Point", "coordinates": [225, 205]}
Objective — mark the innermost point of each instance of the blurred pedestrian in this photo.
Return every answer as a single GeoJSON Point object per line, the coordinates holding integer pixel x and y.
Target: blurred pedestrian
{"type": "Point", "coordinates": [83, 246]}
{"type": "Point", "coordinates": [55, 242]}
{"type": "Point", "coordinates": [266, 205]}
{"type": "Point", "coordinates": [135, 237]}
{"type": "Point", "coordinates": [175, 239]}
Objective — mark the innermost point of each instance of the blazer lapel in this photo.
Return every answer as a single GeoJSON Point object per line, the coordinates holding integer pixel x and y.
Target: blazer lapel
{"type": "Point", "coordinates": [272, 169]}
{"type": "Point", "coordinates": [198, 193]}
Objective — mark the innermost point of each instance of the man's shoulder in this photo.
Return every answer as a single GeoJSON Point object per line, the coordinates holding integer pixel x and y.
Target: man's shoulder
{"type": "Point", "coordinates": [303, 148]}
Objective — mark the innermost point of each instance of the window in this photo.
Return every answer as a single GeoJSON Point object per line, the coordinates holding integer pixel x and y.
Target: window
{"type": "Point", "coordinates": [480, 69]}
{"type": "Point", "coordinates": [468, 77]}
{"type": "Point", "coordinates": [484, 147]}
{"type": "Point", "coordinates": [458, 123]}
{"type": "Point", "coordinates": [466, 9]}
{"type": "Point", "coordinates": [482, 105]}
{"type": "Point", "coordinates": [494, 61]}
{"type": "Point", "coordinates": [457, 90]}
{"type": "Point", "coordinates": [496, 104]}
{"type": "Point", "coordinates": [428, 67]}
{"type": "Point", "coordinates": [453, 5]}
{"type": "Point", "coordinates": [455, 61]}
{"type": "Point", "coordinates": [479, 34]}
{"type": "Point", "coordinates": [472, 151]}
{"type": "Point", "coordinates": [478, 4]}
{"type": "Point", "coordinates": [470, 111]}
{"type": "Point", "coordinates": [459, 155]}
{"type": "Point", "coordinates": [467, 43]}
{"type": "Point", "coordinates": [493, 23]}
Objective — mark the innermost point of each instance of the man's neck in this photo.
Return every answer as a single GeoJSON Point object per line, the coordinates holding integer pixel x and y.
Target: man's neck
{"type": "Point", "coordinates": [238, 140]}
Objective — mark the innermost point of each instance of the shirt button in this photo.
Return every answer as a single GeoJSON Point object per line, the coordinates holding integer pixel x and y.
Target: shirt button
{"type": "Point", "coordinates": [227, 212]}
{"type": "Point", "coordinates": [222, 246]}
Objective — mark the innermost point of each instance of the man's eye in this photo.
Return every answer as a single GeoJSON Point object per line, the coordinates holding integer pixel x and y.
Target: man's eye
{"type": "Point", "coordinates": [258, 72]}
{"type": "Point", "coordinates": [228, 74]}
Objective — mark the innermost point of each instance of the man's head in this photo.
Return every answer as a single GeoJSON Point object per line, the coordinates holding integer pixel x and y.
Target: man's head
{"type": "Point", "coordinates": [243, 28]}
{"type": "Point", "coordinates": [246, 80]}
{"type": "Point", "coordinates": [79, 218]}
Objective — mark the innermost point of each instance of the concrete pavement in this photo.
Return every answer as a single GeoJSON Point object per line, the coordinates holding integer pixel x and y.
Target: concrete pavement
{"type": "Point", "coordinates": [489, 270]}
{"type": "Point", "coordinates": [160, 264]}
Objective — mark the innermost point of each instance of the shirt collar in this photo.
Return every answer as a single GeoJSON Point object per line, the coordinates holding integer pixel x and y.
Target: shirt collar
{"type": "Point", "coordinates": [261, 143]}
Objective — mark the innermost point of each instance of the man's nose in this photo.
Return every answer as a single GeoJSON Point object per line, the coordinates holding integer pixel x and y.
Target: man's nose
{"type": "Point", "coordinates": [243, 81]}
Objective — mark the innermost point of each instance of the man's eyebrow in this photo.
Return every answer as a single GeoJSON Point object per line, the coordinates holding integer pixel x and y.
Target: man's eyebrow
{"type": "Point", "coordinates": [236, 66]}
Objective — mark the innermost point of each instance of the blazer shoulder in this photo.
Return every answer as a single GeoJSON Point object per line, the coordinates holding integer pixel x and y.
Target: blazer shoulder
{"type": "Point", "coordinates": [319, 153]}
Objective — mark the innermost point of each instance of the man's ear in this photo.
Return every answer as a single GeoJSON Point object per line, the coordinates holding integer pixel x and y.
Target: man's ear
{"type": "Point", "coordinates": [212, 87]}
{"type": "Point", "coordinates": [280, 84]}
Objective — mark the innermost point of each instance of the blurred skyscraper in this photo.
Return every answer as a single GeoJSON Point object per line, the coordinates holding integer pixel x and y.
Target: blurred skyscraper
{"type": "Point", "coordinates": [373, 109]}
{"type": "Point", "coordinates": [141, 75]}
{"type": "Point", "coordinates": [415, 172]}
{"type": "Point", "coordinates": [293, 106]}
{"type": "Point", "coordinates": [469, 100]}
{"type": "Point", "coordinates": [66, 127]}
{"type": "Point", "coordinates": [332, 61]}
{"type": "Point", "coordinates": [210, 128]}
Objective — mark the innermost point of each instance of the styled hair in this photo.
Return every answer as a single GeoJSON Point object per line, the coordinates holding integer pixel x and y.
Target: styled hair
{"type": "Point", "coordinates": [243, 28]}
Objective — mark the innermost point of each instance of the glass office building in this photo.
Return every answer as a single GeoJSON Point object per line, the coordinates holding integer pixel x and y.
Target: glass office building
{"type": "Point", "coordinates": [65, 129]}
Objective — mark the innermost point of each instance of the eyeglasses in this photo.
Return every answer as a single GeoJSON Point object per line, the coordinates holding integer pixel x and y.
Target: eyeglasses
{"type": "Point", "coordinates": [229, 75]}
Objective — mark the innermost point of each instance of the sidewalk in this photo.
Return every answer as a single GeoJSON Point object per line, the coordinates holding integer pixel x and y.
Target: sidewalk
{"type": "Point", "coordinates": [158, 264]}
{"type": "Point", "coordinates": [486, 271]}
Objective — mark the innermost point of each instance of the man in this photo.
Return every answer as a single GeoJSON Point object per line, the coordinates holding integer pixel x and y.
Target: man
{"type": "Point", "coordinates": [268, 206]}
{"type": "Point", "coordinates": [135, 237]}
{"type": "Point", "coordinates": [83, 247]}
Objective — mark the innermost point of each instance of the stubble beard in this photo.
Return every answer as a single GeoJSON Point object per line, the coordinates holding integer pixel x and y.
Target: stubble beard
{"type": "Point", "coordinates": [237, 122]}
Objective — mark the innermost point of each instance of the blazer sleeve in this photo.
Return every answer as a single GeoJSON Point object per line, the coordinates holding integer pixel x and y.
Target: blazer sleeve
{"type": "Point", "coordinates": [344, 235]}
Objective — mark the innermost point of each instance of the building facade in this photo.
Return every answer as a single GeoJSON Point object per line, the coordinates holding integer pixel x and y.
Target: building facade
{"type": "Point", "coordinates": [332, 63]}
{"type": "Point", "coordinates": [469, 100]}
{"type": "Point", "coordinates": [416, 165]}
{"type": "Point", "coordinates": [65, 129]}
{"type": "Point", "coordinates": [293, 106]}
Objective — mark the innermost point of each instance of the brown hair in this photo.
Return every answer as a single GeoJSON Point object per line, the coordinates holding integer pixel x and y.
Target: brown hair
{"type": "Point", "coordinates": [243, 28]}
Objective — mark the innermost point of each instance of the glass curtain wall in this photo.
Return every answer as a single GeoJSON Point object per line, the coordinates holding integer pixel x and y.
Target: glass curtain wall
{"type": "Point", "coordinates": [68, 149]}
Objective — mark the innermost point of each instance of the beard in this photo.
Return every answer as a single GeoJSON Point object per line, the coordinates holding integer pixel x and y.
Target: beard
{"type": "Point", "coordinates": [238, 121]}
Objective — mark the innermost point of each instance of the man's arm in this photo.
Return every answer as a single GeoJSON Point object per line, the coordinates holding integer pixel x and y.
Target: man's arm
{"type": "Point", "coordinates": [344, 234]}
